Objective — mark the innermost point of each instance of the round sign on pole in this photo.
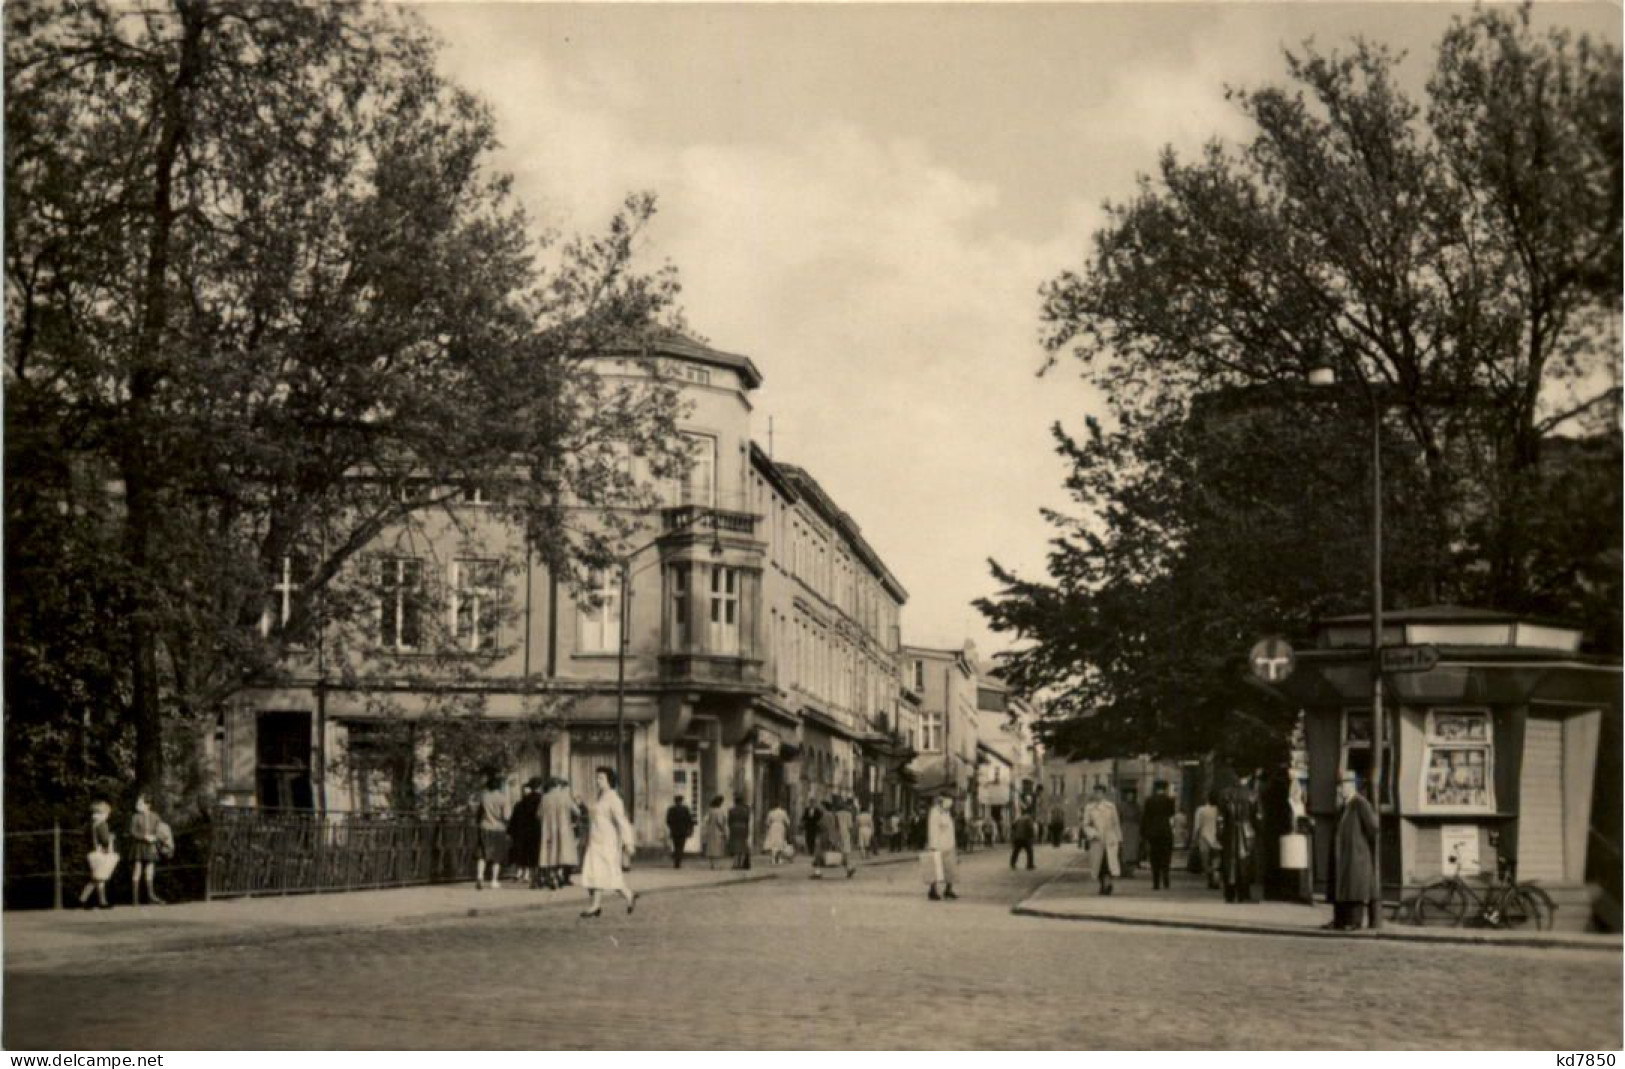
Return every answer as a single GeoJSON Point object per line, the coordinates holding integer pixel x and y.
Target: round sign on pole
{"type": "Point", "coordinates": [1272, 659]}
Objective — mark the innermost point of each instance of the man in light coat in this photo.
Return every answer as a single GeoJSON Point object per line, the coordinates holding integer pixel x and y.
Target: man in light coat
{"type": "Point", "coordinates": [1103, 836]}
{"type": "Point", "coordinates": [939, 837]}
{"type": "Point", "coordinates": [1352, 881]}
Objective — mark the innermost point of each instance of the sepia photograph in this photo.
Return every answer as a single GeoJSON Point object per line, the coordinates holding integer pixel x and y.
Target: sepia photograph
{"type": "Point", "coordinates": [812, 527]}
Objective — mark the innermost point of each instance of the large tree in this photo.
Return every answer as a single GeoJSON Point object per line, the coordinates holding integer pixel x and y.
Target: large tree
{"type": "Point", "coordinates": [266, 300]}
{"type": "Point", "coordinates": [1457, 262]}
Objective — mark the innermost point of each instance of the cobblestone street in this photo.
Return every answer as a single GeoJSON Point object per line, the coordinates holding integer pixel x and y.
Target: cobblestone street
{"type": "Point", "coordinates": [835, 963]}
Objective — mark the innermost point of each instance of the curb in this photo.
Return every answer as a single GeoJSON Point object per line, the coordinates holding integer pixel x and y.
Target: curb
{"type": "Point", "coordinates": [1462, 937]}
{"type": "Point", "coordinates": [181, 944]}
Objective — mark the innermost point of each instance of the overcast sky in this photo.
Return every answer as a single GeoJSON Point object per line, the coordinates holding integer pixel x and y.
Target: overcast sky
{"type": "Point", "coordinates": [864, 199]}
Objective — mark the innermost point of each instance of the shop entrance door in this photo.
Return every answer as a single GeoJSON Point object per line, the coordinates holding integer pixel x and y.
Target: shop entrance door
{"type": "Point", "coordinates": [1540, 801]}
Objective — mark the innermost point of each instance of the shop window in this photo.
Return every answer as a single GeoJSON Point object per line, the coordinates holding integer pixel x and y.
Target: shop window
{"type": "Point", "coordinates": [1356, 755]}
{"type": "Point", "coordinates": [1460, 760]}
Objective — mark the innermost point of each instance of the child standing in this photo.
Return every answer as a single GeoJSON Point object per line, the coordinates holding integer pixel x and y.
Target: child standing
{"type": "Point", "coordinates": [144, 827]}
{"type": "Point", "coordinates": [101, 858]}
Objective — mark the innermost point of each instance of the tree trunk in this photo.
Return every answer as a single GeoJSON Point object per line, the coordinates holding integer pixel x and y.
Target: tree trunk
{"type": "Point", "coordinates": [139, 457]}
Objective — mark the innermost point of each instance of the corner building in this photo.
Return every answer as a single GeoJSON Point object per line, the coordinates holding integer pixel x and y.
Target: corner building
{"type": "Point", "coordinates": [759, 652]}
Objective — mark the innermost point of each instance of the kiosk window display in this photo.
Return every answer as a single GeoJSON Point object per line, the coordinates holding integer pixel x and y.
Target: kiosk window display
{"type": "Point", "coordinates": [1459, 769]}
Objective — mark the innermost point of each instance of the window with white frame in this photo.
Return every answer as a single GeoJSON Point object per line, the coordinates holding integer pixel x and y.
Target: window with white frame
{"type": "Point", "coordinates": [930, 732]}
{"type": "Point", "coordinates": [723, 620]}
{"type": "Point", "coordinates": [400, 603]}
{"type": "Point", "coordinates": [1459, 765]}
{"type": "Point", "coordinates": [598, 617]}
{"type": "Point", "coordinates": [919, 676]}
{"type": "Point", "coordinates": [700, 484]}
{"type": "Point", "coordinates": [292, 574]}
{"type": "Point", "coordinates": [476, 591]}
{"type": "Point", "coordinates": [679, 592]}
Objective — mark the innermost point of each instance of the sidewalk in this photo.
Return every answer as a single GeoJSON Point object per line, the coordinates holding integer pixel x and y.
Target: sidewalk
{"type": "Point", "coordinates": [43, 938]}
{"type": "Point", "coordinates": [1072, 895]}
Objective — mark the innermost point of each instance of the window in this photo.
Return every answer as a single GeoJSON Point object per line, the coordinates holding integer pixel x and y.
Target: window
{"type": "Point", "coordinates": [697, 374]}
{"type": "Point", "coordinates": [400, 603]}
{"type": "Point", "coordinates": [678, 577]}
{"type": "Point", "coordinates": [919, 676]}
{"type": "Point", "coordinates": [476, 591]}
{"type": "Point", "coordinates": [723, 636]}
{"type": "Point", "coordinates": [931, 732]}
{"type": "Point", "coordinates": [598, 619]}
{"type": "Point", "coordinates": [1460, 766]}
{"type": "Point", "coordinates": [292, 575]}
{"type": "Point", "coordinates": [699, 486]}
{"type": "Point", "coordinates": [1357, 751]}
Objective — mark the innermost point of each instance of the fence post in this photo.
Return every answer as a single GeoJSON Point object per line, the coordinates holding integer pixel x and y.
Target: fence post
{"type": "Point", "coordinates": [56, 862]}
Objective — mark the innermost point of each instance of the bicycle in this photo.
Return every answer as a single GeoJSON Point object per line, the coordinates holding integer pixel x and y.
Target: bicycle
{"type": "Point", "coordinates": [1504, 903]}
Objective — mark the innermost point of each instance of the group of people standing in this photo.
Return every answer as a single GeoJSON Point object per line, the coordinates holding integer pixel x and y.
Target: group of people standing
{"type": "Point", "coordinates": [549, 834]}
{"type": "Point", "coordinates": [150, 841]}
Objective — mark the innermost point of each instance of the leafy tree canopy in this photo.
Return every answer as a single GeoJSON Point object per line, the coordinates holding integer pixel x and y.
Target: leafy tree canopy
{"type": "Point", "coordinates": [265, 297]}
{"type": "Point", "coordinates": [1456, 261]}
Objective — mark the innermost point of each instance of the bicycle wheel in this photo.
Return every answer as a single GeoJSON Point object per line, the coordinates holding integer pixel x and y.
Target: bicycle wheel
{"type": "Point", "coordinates": [1515, 909]}
{"type": "Point", "coordinates": [1539, 905]}
{"type": "Point", "coordinates": [1441, 904]}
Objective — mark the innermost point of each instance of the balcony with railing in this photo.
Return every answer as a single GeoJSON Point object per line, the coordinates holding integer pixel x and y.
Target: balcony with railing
{"type": "Point", "coordinates": [704, 518]}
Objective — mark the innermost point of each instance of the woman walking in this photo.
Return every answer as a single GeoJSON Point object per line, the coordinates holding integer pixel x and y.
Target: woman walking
{"type": "Point", "coordinates": [609, 846]}
{"type": "Point", "coordinates": [102, 859]}
{"type": "Point", "coordinates": [144, 827]}
{"type": "Point", "coordinates": [866, 832]}
{"type": "Point", "coordinates": [776, 840]}
{"type": "Point", "coordinates": [714, 839]}
{"type": "Point", "coordinates": [525, 835]}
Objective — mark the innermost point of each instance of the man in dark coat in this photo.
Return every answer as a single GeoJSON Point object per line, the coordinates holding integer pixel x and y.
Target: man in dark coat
{"type": "Point", "coordinates": [812, 827]}
{"type": "Point", "coordinates": [1238, 841]}
{"type": "Point", "coordinates": [1352, 880]}
{"type": "Point", "coordinates": [1157, 829]}
{"type": "Point", "coordinates": [680, 826]}
{"type": "Point", "coordinates": [1022, 833]}
{"type": "Point", "coordinates": [739, 832]}
{"type": "Point", "coordinates": [1057, 825]}
{"type": "Point", "coordinates": [525, 833]}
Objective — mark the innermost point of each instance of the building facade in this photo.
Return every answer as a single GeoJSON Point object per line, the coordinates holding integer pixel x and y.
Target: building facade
{"type": "Point", "coordinates": [758, 655]}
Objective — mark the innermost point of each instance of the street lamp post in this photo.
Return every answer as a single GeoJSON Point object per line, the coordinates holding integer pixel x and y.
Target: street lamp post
{"type": "Point", "coordinates": [1325, 376]}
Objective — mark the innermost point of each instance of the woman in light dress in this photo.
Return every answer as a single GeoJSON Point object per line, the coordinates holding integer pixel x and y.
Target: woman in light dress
{"type": "Point", "coordinates": [776, 843]}
{"type": "Point", "coordinates": [609, 846]}
{"type": "Point", "coordinates": [714, 834]}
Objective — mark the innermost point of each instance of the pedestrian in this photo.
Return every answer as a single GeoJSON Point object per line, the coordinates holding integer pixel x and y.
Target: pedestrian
{"type": "Point", "coordinates": [493, 811]}
{"type": "Point", "coordinates": [776, 834]}
{"type": "Point", "coordinates": [609, 846]}
{"type": "Point", "coordinates": [1057, 825]}
{"type": "Point", "coordinates": [941, 839]}
{"type": "Point", "coordinates": [1352, 881]}
{"type": "Point", "coordinates": [845, 838]}
{"type": "Point", "coordinates": [679, 827]}
{"type": "Point", "coordinates": [1238, 841]}
{"type": "Point", "coordinates": [1157, 830]}
{"type": "Point", "coordinates": [1022, 833]}
{"type": "Point", "coordinates": [714, 836]}
{"type": "Point", "coordinates": [145, 826]}
{"type": "Point", "coordinates": [866, 832]}
{"type": "Point", "coordinates": [102, 859]}
{"type": "Point", "coordinates": [1181, 826]}
{"type": "Point", "coordinates": [1103, 836]}
{"type": "Point", "coordinates": [1205, 839]}
{"type": "Point", "coordinates": [739, 833]}
{"type": "Point", "coordinates": [894, 831]}
{"type": "Point", "coordinates": [812, 832]}
{"type": "Point", "coordinates": [525, 835]}
{"type": "Point", "coordinates": [559, 817]}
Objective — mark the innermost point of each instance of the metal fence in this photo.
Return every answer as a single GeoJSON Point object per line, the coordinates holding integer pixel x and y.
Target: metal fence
{"type": "Point", "coordinates": [274, 852]}
{"type": "Point", "coordinates": [46, 868]}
